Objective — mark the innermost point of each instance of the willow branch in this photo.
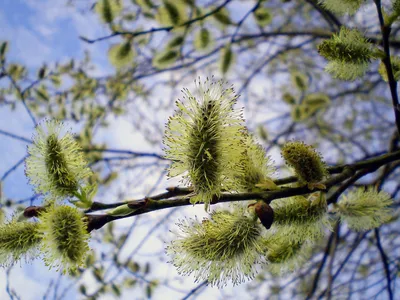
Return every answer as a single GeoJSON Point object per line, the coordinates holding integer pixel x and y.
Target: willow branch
{"type": "Point", "coordinates": [175, 197]}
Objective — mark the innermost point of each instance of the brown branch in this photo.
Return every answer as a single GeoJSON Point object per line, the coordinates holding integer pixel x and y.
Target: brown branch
{"type": "Point", "coordinates": [321, 266]}
{"type": "Point", "coordinates": [385, 29]}
{"type": "Point", "coordinates": [385, 263]}
{"type": "Point", "coordinates": [176, 197]}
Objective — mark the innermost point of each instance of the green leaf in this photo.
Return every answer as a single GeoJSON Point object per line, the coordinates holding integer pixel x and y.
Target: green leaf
{"type": "Point", "coordinates": [145, 4]}
{"type": "Point", "coordinates": [16, 71]}
{"type": "Point", "coordinates": [116, 290]}
{"type": "Point", "coordinates": [226, 59]}
{"type": "Point", "coordinates": [299, 80]}
{"type": "Point", "coordinates": [176, 41]}
{"type": "Point", "coordinates": [108, 10]}
{"type": "Point", "coordinates": [90, 259]}
{"type": "Point", "coordinates": [42, 93]}
{"type": "Point", "coordinates": [133, 266]}
{"type": "Point", "coordinates": [129, 282]}
{"type": "Point", "coordinates": [121, 54]}
{"type": "Point", "coordinates": [202, 40]}
{"type": "Point", "coordinates": [56, 80]}
{"type": "Point", "coordinates": [98, 274]}
{"type": "Point", "coordinates": [263, 16]}
{"type": "Point", "coordinates": [262, 132]}
{"type": "Point", "coordinates": [165, 59]}
{"type": "Point", "coordinates": [173, 12]}
{"type": "Point", "coordinates": [316, 101]}
{"type": "Point", "coordinates": [3, 50]}
{"type": "Point", "coordinates": [301, 112]}
{"type": "Point", "coordinates": [222, 16]}
{"type": "Point", "coordinates": [170, 14]}
{"type": "Point", "coordinates": [289, 98]}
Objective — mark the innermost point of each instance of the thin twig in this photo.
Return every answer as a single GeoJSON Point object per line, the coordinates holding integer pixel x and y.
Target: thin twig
{"type": "Point", "coordinates": [384, 262]}
{"type": "Point", "coordinates": [385, 29]}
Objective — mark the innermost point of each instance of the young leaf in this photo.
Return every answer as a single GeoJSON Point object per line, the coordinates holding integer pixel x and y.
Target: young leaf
{"type": "Point", "coordinates": [172, 13]}
{"type": "Point", "coordinates": [145, 4]}
{"type": "Point", "coordinates": [176, 41]}
{"type": "Point", "coordinates": [263, 16]}
{"type": "Point", "coordinates": [165, 59]}
{"type": "Point", "coordinates": [222, 16]}
{"type": "Point", "coordinates": [316, 101]}
{"type": "Point", "coordinates": [203, 39]}
{"type": "Point", "coordinates": [108, 10]}
{"type": "Point", "coordinates": [121, 54]}
{"type": "Point", "coordinates": [3, 50]}
{"type": "Point", "coordinates": [299, 80]}
{"type": "Point", "coordinates": [301, 112]}
{"type": "Point", "coordinates": [226, 59]}
{"type": "Point", "coordinates": [289, 98]}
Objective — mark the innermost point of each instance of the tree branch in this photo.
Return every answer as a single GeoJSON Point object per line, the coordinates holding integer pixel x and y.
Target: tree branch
{"type": "Point", "coordinates": [152, 30]}
{"type": "Point", "coordinates": [176, 197]}
{"type": "Point", "coordinates": [385, 29]}
{"type": "Point", "coordinates": [385, 263]}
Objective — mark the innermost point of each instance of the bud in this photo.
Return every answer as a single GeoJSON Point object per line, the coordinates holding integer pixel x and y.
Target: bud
{"type": "Point", "coordinates": [306, 162]}
{"type": "Point", "coordinates": [55, 164]}
{"type": "Point", "coordinates": [285, 253]}
{"type": "Point", "coordinates": [17, 239]}
{"type": "Point", "coordinates": [64, 237]}
{"type": "Point", "coordinates": [203, 140]}
{"type": "Point", "coordinates": [224, 248]}
{"type": "Point", "coordinates": [349, 54]}
{"type": "Point", "coordinates": [255, 168]}
{"type": "Point", "coordinates": [306, 218]}
{"type": "Point", "coordinates": [265, 213]}
{"type": "Point", "coordinates": [365, 209]}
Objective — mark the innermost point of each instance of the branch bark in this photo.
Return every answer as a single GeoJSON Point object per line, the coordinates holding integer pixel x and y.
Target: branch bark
{"type": "Point", "coordinates": [175, 197]}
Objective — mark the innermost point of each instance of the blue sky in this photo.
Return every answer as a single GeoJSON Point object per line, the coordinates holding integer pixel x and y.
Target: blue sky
{"type": "Point", "coordinates": [41, 30]}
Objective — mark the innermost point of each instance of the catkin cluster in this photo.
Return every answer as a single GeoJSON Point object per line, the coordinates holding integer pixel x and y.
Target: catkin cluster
{"type": "Point", "coordinates": [210, 148]}
{"type": "Point", "coordinates": [57, 169]}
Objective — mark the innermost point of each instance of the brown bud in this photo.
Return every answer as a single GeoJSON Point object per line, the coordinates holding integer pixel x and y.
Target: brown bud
{"type": "Point", "coordinates": [265, 213]}
{"type": "Point", "coordinates": [32, 211]}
